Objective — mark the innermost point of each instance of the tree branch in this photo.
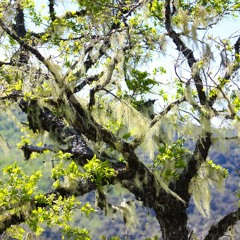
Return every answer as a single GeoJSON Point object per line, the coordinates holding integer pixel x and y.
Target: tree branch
{"type": "Point", "coordinates": [49, 64]}
{"type": "Point", "coordinates": [188, 53]}
{"type": "Point", "coordinates": [22, 42]}
{"type": "Point", "coordinates": [43, 119]}
{"type": "Point", "coordinates": [166, 110]}
{"type": "Point", "coordinates": [229, 71]}
{"type": "Point", "coordinates": [14, 95]}
{"type": "Point", "coordinates": [218, 230]}
{"type": "Point", "coordinates": [20, 31]}
{"type": "Point", "coordinates": [29, 149]}
{"type": "Point", "coordinates": [5, 63]}
{"type": "Point", "coordinates": [52, 12]}
{"type": "Point", "coordinates": [86, 81]}
{"type": "Point", "coordinates": [198, 157]}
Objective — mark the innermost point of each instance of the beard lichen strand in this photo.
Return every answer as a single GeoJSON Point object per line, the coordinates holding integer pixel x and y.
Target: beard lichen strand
{"type": "Point", "coordinates": [122, 112]}
{"type": "Point", "coordinates": [134, 121]}
{"type": "Point", "coordinates": [201, 193]}
{"type": "Point", "coordinates": [201, 185]}
{"type": "Point", "coordinates": [91, 128]}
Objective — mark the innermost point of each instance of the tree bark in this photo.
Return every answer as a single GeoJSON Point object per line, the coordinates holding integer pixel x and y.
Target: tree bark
{"type": "Point", "coordinates": [172, 218]}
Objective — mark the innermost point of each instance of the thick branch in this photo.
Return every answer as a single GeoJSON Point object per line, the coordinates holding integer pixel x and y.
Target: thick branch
{"type": "Point", "coordinates": [29, 149]}
{"type": "Point", "coordinates": [49, 64]}
{"type": "Point", "coordinates": [198, 157]}
{"type": "Point", "coordinates": [22, 42]}
{"type": "Point", "coordinates": [5, 63]}
{"type": "Point", "coordinates": [204, 142]}
{"type": "Point", "coordinates": [20, 31]}
{"type": "Point", "coordinates": [19, 27]}
{"type": "Point", "coordinates": [14, 95]}
{"type": "Point", "coordinates": [43, 119]}
{"type": "Point", "coordinates": [52, 10]}
{"type": "Point", "coordinates": [218, 230]}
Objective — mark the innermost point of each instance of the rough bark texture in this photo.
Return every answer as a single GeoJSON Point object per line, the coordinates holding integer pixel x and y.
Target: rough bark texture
{"type": "Point", "coordinates": [83, 130]}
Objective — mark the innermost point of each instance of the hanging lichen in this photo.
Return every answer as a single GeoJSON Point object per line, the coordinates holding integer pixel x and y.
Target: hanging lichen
{"type": "Point", "coordinates": [209, 175]}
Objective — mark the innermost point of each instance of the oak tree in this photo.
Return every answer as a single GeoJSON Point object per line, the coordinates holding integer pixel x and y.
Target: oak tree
{"type": "Point", "coordinates": [122, 93]}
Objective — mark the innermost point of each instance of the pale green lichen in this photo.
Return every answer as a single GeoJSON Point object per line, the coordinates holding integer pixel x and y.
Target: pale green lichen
{"type": "Point", "coordinates": [209, 175]}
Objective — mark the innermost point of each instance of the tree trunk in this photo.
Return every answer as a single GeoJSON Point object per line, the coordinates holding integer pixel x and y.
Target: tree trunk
{"type": "Point", "coordinates": [172, 218]}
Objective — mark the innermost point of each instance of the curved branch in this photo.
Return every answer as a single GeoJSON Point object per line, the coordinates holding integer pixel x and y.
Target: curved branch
{"type": "Point", "coordinates": [52, 67]}
{"type": "Point", "coordinates": [166, 110]}
{"type": "Point", "coordinates": [22, 42]}
{"type": "Point", "coordinates": [5, 63]}
{"type": "Point", "coordinates": [204, 142]}
{"type": "Point", "coordinates": [198, 157]}
{"type": "Point", "coordinates": [218, 230]}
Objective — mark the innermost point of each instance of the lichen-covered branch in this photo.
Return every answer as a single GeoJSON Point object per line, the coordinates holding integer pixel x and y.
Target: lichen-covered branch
{"type": "Point", "coordinates": [218, 229]}
{"type": "Point", "coordinates": [187, 52]}
{"type": "Point", "coordinates": [166, 110]}
{"type": "Point", "coordinates": [24, 44]}
{"type": "Point", "coordinates": [199, 155]}
{"type": "Point", "coordinates": [42, 119]}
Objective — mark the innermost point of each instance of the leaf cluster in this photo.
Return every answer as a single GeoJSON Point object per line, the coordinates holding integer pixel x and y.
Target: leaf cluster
{"type": "Point", "coordinates": [170, 159]}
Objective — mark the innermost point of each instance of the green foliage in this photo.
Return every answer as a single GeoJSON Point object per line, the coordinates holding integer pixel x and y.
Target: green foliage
{"type": "Point", "coordinates": [213, 167]}
{"type": "Point", "coordinates": [68, 170]}
{"type": "Point", "coordinates": [91, 66]}
{"type": "Point", "coordinates": [98, 171]}
{"type": "Point", "coordinates": [94, 7]}
{"type": "Point", "coordinates": [114, 126]}
{"type": "Point", "coordinates": [58, 212]}
{"type": "Point", "coordinates": [65, 168]}
{"type": "Point", "coordinates": [170, 159]}
{"type": "Point", "coordinates": [16, 232]}
{"type": "Point", "coordinates": [17, 188]}
{"type": "Point", "coordinates": [95, 170]}
{"type": "Point", "coordinates": [139, 82]}
{"type": "Point", "coordinates": [156, 7]}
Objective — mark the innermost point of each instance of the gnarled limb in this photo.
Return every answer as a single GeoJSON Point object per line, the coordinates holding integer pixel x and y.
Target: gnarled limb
{"type": "Point", "coordinates": [43, 119]}
{"type": "Point", "coordinates": [199, 155]}
{"type": "Point", "coordinates": [218, 229]}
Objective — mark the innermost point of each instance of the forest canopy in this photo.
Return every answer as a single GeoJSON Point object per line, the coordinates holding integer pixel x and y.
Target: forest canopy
{"type": "Point", "coordinates": [118, 94]}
